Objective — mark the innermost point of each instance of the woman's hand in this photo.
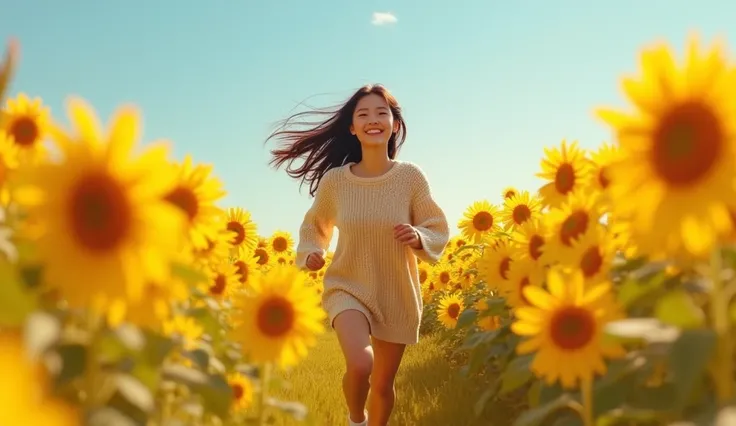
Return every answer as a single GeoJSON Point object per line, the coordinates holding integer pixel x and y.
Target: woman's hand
{"type": "Point", "coordinates": [315, 261]}
{"type": "Point", "coordinates": [407, 235]}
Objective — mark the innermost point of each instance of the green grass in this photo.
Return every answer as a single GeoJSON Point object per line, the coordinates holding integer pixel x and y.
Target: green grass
{"type": "Point", "coordinates": [430, 390]}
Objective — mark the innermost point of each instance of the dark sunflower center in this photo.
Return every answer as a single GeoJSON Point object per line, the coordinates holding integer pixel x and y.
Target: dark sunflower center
{"type": "Point", "coordinates": [574, 226]}
{"type": "Point", "coordinates": [503, 267]}
{"type": "Point", "coordinates": [591, 262]}
{"type": "Point", "coordinates": [219, 284]}
{"type": "Point", "coordinates": [535, 246]}
{"type": "Point", "coordinates": [453, 310]}
{"type": "Point", "coordinates": [521, 214]}
{"type": "Point", "coordinates": [239, 230]}
{"type": "Point", "coordinates": [99, 212]}
{"type": "Point", "coordinates": [275, 317]}
{"type": "Point", "coordinates": [24, 131]}
{"type": "Point", "coordinates": [280, 244]}
{"type": "Point", "coordinates": [572, 328]}
{"type": "Point", "coordinates": [482, 221]}
{"type": "Point", "coordinates": [184, 199]}
{"type": "Point", "coordinates": [565, 178]}
{"type": "Point", "coordinates": [687, 144]}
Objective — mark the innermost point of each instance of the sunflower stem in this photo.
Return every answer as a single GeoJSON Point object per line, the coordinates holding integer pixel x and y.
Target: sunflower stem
{"type": "Point", "coordinates": [92, 372]}
{"type": "Point", "coordinates": [586, 389]}
{"type": "Point", "coordinates": [719, 316]}
{"type": "Point", "coordinates": [265, 382]}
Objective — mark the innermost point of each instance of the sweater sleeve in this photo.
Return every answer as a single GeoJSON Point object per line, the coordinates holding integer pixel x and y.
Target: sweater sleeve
{"type": "Point", "coordinates": [429, 220]}
{"type": "Point", "coordinates": [317, 227]}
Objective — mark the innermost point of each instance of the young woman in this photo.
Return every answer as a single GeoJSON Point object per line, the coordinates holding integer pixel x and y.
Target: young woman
{"type": "Point", "coordinates": [386, 216]}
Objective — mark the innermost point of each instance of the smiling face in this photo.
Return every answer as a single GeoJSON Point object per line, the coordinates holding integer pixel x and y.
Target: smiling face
{"type": "Point", "coordinates": [373, 122]}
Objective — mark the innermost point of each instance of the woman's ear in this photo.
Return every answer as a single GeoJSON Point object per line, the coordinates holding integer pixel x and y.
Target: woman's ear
{"type": "Point", "coordinates": [352, 130]}
{"type": "Point", "coordinates": [396, 126]}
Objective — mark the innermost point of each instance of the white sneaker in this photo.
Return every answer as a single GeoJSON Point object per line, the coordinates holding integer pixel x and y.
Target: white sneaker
{"type": "Point", "coordinates": [363, 423]}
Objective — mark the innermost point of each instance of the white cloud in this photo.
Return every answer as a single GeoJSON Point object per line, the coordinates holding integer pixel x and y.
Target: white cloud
{"type": "Point", "coordinates": [383, 18]}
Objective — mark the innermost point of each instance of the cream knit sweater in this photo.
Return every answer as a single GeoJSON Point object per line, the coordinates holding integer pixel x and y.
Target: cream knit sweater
{"type": "Point", "coordinates": [371, 271]}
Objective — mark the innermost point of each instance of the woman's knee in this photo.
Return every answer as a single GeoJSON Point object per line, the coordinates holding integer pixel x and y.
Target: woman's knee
{"type": "Point", "coordinates": [359, 363]}
{"type": "Point", "coordinates": [382, 386]}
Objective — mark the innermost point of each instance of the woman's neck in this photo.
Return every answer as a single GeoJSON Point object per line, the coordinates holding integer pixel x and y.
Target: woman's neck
{"type": "Point", "coordinates": [375, 162]}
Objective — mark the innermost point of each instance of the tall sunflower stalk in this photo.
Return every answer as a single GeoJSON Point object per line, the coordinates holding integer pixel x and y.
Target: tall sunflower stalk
{"type": "Point", "coordinates": [720, 298]}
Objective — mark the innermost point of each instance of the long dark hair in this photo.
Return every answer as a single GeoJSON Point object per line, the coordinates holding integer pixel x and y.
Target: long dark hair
{"type": "Point", "coordinates": [328, 143]}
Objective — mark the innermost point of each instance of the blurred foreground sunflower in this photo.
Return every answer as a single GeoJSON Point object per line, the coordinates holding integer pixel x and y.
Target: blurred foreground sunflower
{"type": "Point", "coordinates": [24, 389]}
{"type": "Point", "coordinates": [675, 174]}
{"type": "Point", "coordinates": [102, 211]}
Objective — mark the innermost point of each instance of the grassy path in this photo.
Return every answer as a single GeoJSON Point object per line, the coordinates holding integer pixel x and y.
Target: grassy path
{"type": "Point", "coordinates": [430, 390]}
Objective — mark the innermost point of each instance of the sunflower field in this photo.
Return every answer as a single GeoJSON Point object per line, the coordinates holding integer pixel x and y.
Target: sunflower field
{"type": "Point", "coordinates": [129, 297]}
{"type": "Point", "coordinates": [606, 297]}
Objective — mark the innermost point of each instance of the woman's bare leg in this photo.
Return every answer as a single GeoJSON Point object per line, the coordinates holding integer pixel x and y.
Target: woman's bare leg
{"type": "Point", "coordinates": [353, 332]}
{"type": "Point", "coordinates": [383, 392]}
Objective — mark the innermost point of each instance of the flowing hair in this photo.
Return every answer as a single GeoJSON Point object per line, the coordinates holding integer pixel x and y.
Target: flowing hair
{"type": "Point", "coordinates": [328, 143]}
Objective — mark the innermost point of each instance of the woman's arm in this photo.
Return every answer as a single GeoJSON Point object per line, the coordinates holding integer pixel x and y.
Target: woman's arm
{"type": "Point", "coordinates": [428, 219]}
{"type": "Point", "coordinates": [317, 227]}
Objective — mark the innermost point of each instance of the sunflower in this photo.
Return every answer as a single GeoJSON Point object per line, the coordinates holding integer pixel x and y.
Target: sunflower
{"type": "Point", "coordinates": [424, 270]}
{"type": "Point", "coordinates": [466, 279]}
{"type": "Point", "coordinates": [443, 275]}
{"type": "Point", "coordinates": [599, 177]}
{"type": "Point", "coordinates": [246, 237]}
{"type": "Point", "coordinates": [479, 220]}
{"type": "Point", "coordinates": [195, 194]}
{"type": "Point", "coordinates": [449, 309]}
{"type": "Point", "coordinates": [528, 242]}
{"type": "Point", "coordinates": [522, 273]}
{"type": "Point", "coordinates": [224, 280]}
{"type": "Point", "coordinates": [279, 318]}
{"type": "Point", "coordinates": [494, 264]}
{"type": "Point", "coordinates": [567, 168]}
{"type": "Point", "coordinates": [675, 173]}
{"type": "Point", "coordinates": [27, 123]}
{"type": "Point", "coordinates": [593, 254]}
{"type": "Point", "coordinates": [263, 257]}
{"type": "Point", "coordinates": [26, 390]}
{"type": "Point", "coordinates": [242, 388]}
{"type": "Point", "coordinates": [566, 323]}
{"type": "Point", "coordinates": [280, 242]}
{"type": "Point", "coordinates": [186, 329]}
{"type": "Point", "coordinates": [429, 288]}
{"type": "Point", "coordinates": [456, 242]}
{"type": "Point", "coordinates": [102, 212]}
{"type": "Point", "coordinates": [509, 192]}
{"type": "Point", "coordinates": [581, 212]}
{"type": "Point", "coordinates": [245, 268]}
{"type": "Point", "coordinates": [519, 209]}
{"type": "Point", "coordinates": [487, 322]}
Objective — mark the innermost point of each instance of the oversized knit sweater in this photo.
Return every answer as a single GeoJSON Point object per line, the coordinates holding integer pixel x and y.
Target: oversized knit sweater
{"type": "Point", "coordinates": [371, 271]}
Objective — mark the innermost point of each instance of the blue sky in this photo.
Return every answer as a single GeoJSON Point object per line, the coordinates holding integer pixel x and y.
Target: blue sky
{"type": "Point", "coordinates": [485, 84]}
